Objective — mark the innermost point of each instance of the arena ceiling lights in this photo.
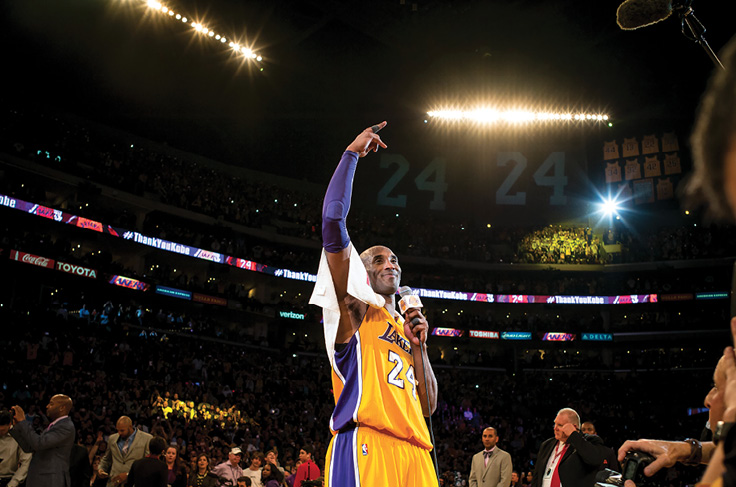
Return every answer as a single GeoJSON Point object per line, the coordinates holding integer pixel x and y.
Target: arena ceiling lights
{"type": "Point", "coordinates": [512, 116]}
{"type": "Point", "coordinates": [198, 28]}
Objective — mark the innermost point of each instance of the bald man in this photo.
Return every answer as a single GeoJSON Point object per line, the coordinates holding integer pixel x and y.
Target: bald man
{"type": "Point", "coordinates": [51, 449]}
{"type": "Point", "coordinates": [382, 380]}
{"type": "Point", "coordinates": [491, 467]}
{"type": "Point", "coordinates": [123, 448]}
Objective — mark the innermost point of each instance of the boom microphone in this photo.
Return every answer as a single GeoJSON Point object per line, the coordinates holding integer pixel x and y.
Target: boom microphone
{"type": "Point", "coordinates": [633, 14]}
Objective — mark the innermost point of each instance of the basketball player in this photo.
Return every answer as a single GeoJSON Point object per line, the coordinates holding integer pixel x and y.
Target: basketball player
{"type": "Point", "coordinates": [379, 360]}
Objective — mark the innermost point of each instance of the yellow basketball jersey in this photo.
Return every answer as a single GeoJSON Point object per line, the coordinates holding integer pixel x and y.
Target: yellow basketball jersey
{"type": "Point", "coordinates": [374, 383]}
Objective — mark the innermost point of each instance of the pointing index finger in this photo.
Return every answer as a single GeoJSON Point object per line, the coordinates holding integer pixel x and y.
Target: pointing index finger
{"type": "Point", "coordinates": [378, 126]}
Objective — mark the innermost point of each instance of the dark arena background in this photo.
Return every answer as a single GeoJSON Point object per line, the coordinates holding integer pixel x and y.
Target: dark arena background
{"type": "Point", "coordinates": [161, 196]}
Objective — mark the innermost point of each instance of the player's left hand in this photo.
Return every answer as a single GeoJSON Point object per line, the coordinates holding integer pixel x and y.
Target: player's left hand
{"type": "Point", "coordinates": [416, 327]}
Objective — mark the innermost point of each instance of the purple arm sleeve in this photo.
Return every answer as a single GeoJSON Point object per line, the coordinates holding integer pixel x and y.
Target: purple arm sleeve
{"type": "Point", "coordinates": [337, 204]}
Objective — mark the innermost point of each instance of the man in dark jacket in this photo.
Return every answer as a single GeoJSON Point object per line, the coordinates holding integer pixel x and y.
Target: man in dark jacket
{"type": "Point", "coordinates": [149, 471]}
{"type": "Point", "coordinates": [570, 459]}
{"type": "Point", "coordinates": [51, 449]}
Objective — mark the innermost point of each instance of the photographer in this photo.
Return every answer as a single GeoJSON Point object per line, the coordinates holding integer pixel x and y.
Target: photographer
{"type": "Point", "coordinates": [722, 467]}
{"type": "Point", "coordinates": [51, 449]}
{"type": "Point", "coordinates": [713, 183]}
{"type": "Point", "coordinates": [690, 451]}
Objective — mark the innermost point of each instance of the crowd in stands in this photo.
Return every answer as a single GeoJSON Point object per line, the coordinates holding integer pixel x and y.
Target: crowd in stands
{"type": "Point", "coordinates": [556, 245]}
{"type": "Point", "coordinates": [106, 157]}
{"type": "Point", "coordinates": [206, 397]}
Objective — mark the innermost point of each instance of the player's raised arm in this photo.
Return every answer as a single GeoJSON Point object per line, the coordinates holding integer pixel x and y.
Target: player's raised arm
{"type": "Point", "coordinates": [335, 209]}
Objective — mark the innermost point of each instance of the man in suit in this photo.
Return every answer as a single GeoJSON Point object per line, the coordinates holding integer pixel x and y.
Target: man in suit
{"type": "Point", "coordinates": [49, 465]}
{"type": "Point", "coordinates": [492, 466]}
{"type": "Point", "coordinates": [123, 448]}
{"type": "Point", "coordinates": [570, 459]}
{"type": "Point", "coordinates": [150, 471]}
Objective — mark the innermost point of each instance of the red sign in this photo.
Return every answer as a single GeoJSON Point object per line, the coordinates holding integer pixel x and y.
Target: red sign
{"type": "Point", "coordinates": [45, 212]}
{"type": "Point", "coordinates": [204, 298]}
{"type": "Point", "coordinates": [32, 259]}
{"type": "Point", "coordinates": [676, 297]}
{"type": "Point", "coordinates": [89, 224]}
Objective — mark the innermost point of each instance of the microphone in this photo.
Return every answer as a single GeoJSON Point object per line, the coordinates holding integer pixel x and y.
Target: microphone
{"type": "Point", "coordinates": [633, 14]}
{"type": "Point", "coordinates": [409, 300]}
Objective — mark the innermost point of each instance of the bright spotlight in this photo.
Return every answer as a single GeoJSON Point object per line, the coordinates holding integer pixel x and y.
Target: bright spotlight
{"type": "Point", "coordinates": [610, 206]}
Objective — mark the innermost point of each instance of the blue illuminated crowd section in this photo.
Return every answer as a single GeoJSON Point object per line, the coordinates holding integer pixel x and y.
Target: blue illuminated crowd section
{"type": "Point", "coordinates": [208, 255]}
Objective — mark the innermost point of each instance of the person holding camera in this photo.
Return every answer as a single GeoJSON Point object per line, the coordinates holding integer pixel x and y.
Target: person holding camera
{"type": "Point", "coordinates": [571, 458]}
{"type": "Point", "coordinates": [52, 448]}
{"type": "Point", "coordinates": [722, 467]}
{"type": "Point", "coordinates": [13, 460]}
{"type": "Point", "coordinates": [308, 470]}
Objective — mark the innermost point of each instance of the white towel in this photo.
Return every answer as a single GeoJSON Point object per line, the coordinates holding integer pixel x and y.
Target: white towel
{"type": "Point", "coordinates": [325, 297]}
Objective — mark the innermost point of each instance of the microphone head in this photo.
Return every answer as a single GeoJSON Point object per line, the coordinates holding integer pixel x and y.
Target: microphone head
{"type": "Point", "coordinates": [633, 14]}
{"type": "Point", "coordinates": [405, 291]}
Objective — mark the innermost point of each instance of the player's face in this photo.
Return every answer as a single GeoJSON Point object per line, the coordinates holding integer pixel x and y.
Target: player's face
{"type": "Point", "coordinates": [587, 428]}
{"type": "Point", "coordinates": [383, 269]}
{"type": "Point", "coordinates": [490, 438]}
{"type": "Point", "coordinates": [714, 399]}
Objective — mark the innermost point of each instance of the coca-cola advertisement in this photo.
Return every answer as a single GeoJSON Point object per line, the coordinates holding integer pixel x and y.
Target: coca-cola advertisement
{"type": "Point", "coordinates": [32, 259]}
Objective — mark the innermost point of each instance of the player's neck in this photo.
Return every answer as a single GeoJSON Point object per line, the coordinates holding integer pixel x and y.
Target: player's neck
{"type": "Point", "coordinates": [390, 304]}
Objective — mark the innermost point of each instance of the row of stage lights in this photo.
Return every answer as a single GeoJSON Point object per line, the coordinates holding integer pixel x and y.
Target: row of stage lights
{"type": "Point", "coordinates": [490, 115]}
{"type": "Point", "coordinates": [246, 52]}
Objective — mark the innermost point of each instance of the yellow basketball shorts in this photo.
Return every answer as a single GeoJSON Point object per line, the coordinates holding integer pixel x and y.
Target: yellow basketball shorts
{"type": "Point", "coordinates": [364, 457]}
